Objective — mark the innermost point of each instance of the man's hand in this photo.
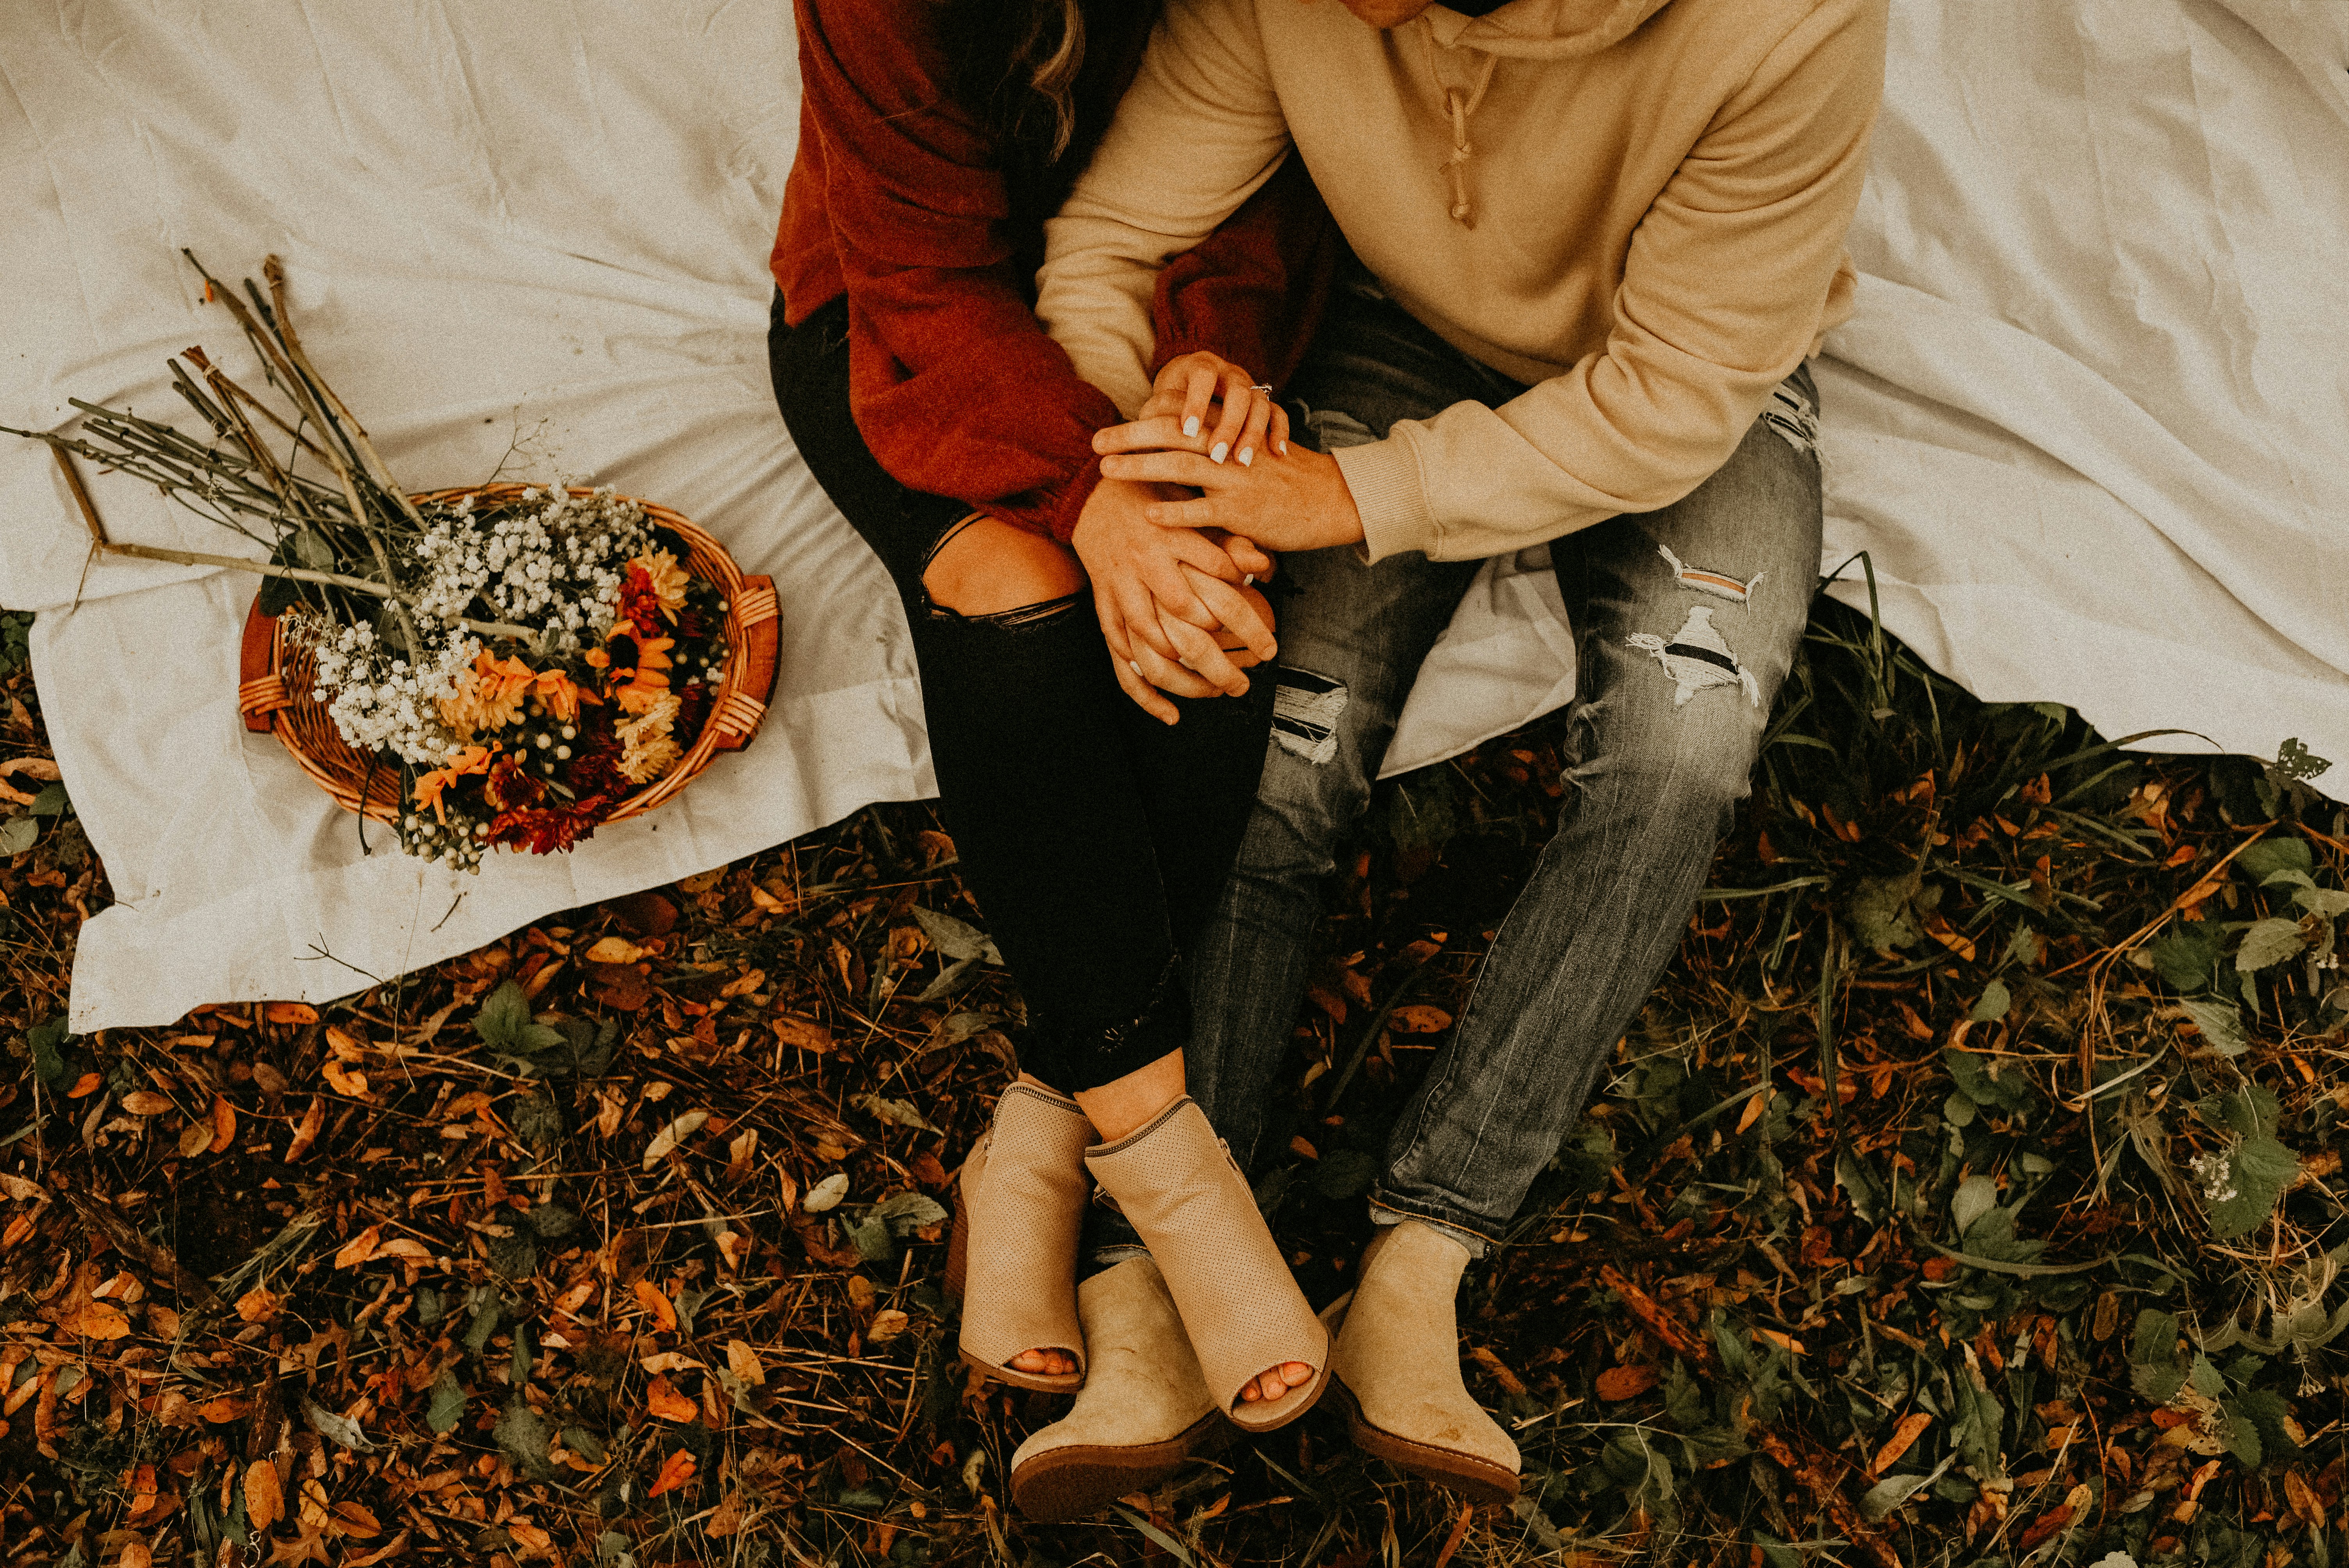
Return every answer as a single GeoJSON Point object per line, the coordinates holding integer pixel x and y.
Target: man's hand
{"type": "Point", "coordinates": [1213, 402]}
{"type": "Point", "coordinates": [1163, 596]}
{"type": "Point", "coordinates": [1299, 503]}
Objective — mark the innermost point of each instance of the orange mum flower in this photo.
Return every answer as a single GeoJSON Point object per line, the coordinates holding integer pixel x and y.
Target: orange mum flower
{"type": "Point", "coordinates": [428, 786]}
{"type": "Point", "coordinates": [562, 694]}
{"type": "Point", "coordinates": [667, 580]}
{"type": "Point", "coordinates": [488, 695]}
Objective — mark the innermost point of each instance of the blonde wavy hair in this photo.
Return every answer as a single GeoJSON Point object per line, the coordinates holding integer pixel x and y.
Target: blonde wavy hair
{"type": "Point", "coordinates": [1017, 64]}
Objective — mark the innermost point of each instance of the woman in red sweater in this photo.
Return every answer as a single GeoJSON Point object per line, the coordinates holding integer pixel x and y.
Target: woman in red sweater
{"type": "Point", "coordinates": [935, 137]}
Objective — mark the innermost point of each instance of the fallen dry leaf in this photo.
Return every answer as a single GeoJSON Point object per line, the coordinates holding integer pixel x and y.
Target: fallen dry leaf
{"type": "Point", "coordinates": [356, 1521]}
{"type": "Point", "coordinates": [359, 1248]}
{"type": "Point", "coordinates": [265, 1501]}
{"type": "Point", "coordinates": [96, 1320]}
{"type": "Point", "coordinates": [727, 1518]}
{"type": "Point", "coordinates": [675, 1134]}
{"type": "Point", "coordinates": [663, 1311]}
{"type": "Point", "coordinates": [258, 1304]}
{"type": "Point", "coordinates": [663, 1400]}
{"type": "Point", "coordinates": [801, 1034]}
{"type": "Point", "coordinates": [744, 1363]}
{"type": "Point", "coordinates": [888, 1324]}
{"type": "Point", "coordinates": [1625, 1382]}
{"type": "Point", "coordinates": [614, 949]}
{"type": "Point", "coordinates": [307, 1132]}
{"type": "Point", "coordinates": [147, 1103]}
{"type": "Point", "coordinates": [290, 1013]}
{"type": "Point", "coordinates": [675, 1471]}
{"type": "Point", "coordinates": [223, 1124]}
{"type": "Point", "coordinates": [1418, 1018]}
{"type": "Point", "coordinates": [1508, 1380]}
{"type": "Point", "coordinates": [529, 1539]}
{"type": "Point", "coordinates": [1904, 1436]}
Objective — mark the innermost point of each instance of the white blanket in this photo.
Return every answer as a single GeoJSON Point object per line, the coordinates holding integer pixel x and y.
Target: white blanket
{"type": "Point", "coordinates": [2089, 422]}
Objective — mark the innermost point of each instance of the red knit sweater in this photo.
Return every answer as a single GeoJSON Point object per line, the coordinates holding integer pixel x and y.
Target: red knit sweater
{"type": "Point", "coordinates": [902, 198]}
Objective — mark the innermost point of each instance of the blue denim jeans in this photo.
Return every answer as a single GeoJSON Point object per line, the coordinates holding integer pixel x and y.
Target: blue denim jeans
{"type": "Point", "coordinates": [1685, 620]}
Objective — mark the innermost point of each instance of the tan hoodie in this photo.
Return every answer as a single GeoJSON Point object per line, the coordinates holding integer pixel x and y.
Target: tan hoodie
{"type": "Point", "coordinates": [1636, 206]}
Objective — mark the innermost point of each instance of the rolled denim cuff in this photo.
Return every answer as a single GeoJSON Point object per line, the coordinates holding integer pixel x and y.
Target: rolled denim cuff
{"type": "Point", "coordinates": [1389, 1209]}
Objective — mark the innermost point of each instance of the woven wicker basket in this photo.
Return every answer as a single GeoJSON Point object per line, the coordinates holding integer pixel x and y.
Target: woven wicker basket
{"type": "Point", "coordinates": [274, 681]}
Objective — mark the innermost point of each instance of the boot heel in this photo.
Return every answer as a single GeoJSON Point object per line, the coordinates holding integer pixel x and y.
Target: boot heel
{"type": "Point", "coordinates": [1022, 1206]}
{"type": "Point", "coordinates": [958, 1250]}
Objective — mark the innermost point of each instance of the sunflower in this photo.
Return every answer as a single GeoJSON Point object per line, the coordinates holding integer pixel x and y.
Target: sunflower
{"type": "Point", "coordinates": [647, 679]}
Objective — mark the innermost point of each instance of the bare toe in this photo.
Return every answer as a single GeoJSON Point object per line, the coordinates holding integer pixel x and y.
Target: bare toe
{"type": "Point", "coordinates": [1031, 1361]}
{"type": "Point", "coordinates": [1297, 1373]}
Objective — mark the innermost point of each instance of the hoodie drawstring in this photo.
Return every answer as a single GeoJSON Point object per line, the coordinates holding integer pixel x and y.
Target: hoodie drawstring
{"type": "Point", "coordinates": [1459, 109]}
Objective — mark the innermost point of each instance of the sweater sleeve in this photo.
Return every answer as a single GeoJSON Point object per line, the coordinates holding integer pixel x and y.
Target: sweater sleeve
{"type": "Point", "coordinates": [1203, 88]}
{"type": "Point", "coordinates": [954, 382]}
{"type": "Point", "coordinates": [1253, 290]}
{"type": "Point", "coordinates": [1722, 296]}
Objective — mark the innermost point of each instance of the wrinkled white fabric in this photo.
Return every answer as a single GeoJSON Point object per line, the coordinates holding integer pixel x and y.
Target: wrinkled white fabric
{"type": "Point", "coordinates": [533, 222]}
{"type": "Point", "coordinates": [2088, 421]}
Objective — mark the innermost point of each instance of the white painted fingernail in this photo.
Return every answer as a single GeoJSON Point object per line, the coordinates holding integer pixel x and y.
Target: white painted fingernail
{"type": "Point", "coordinates": [1133, 665]}
{"type": "Point", "coordinates": [1281, 447]}
{"type": "Point", "coordinates": [1247, 457]}
{"type": "Point", "coordinates": [1249, 580]}
{"type": "Point", "coordinates": [1215, 453]}
{"type": "Point", "coordinates": [1191, 425]}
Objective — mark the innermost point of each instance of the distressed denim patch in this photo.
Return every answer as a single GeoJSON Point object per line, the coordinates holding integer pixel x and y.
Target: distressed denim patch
{"type": "Point", "coordinates": [1790, 413]}
{"type": "Point", "coordinates": [1719, 585]}
{"type": "Point", "coordinates": [1697, 657]}
{"type": "Point", "coordinates": [1305, 709]}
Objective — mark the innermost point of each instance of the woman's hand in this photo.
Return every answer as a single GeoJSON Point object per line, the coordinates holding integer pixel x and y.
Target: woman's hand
{"type": "Point", "coordinates": [1299, 502]}
{"type": "Point", "coordinates": [1163, 594]}
{"type": "Point", "coordinates": [1217, 405]}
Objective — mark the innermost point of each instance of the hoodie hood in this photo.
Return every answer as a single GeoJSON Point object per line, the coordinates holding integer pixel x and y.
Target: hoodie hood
{"type": "Point", "coordinates": [1519, 30]}
{"type": "Point", "coordinates": [1541, 29]}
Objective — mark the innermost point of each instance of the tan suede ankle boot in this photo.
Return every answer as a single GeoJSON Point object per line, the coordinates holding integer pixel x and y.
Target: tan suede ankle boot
{"type": "Point", "coordinates": [1014, 1258]}
{"type": "Point", "coordinates": [1397, 1367]}
{"type": "Point", "coordinates": [1145, 1408]}
{"type": "Point", "coordinates": [1175, 1182]}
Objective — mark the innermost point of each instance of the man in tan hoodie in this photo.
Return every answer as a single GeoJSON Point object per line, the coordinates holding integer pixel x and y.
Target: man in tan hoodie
{"type": "Point", "coordinates": [1598, 240]}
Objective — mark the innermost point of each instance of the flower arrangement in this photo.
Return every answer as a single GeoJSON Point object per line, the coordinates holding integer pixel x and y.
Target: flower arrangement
{"type": "Point", "coordinates": [526, 661]}
{"type": "Point", "coordinates": [529, 746]}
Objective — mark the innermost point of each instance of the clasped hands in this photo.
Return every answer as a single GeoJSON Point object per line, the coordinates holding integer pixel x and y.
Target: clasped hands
{"type": "Point", "coordinates": [1195, 494]}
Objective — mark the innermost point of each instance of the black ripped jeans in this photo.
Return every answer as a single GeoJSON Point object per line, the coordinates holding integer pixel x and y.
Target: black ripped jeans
{"type": "Point", "coordinates": [1095, 838]}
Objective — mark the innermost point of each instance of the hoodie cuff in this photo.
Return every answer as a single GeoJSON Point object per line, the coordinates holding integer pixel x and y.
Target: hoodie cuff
{"type": "Point", "coordinates": [1384, 478]}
